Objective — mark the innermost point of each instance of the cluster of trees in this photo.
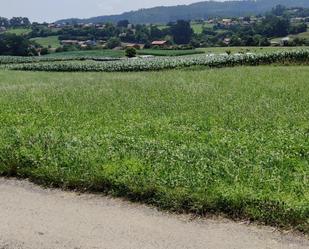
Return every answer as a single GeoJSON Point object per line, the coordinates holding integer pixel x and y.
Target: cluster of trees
{"type": "Point", "coordinates": [178, 33]}
{"type": "Point", "coordinates": [276, 23]}
{"type": "Point", "coordinates": [14, 22]}
{"type": "Point", "coordinates": [11, 44]}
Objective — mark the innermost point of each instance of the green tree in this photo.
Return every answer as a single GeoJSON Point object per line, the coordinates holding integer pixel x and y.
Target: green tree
{"type": "Point", "coordinates": [123, 24]}
{"type": "Point", "coordinates": [182, 32]}
{"type": "Point", "coordinates": [4, 22]}
{"type": "Point", "coordinates": [131, 52]}
{"type": "Point", "coordinates": [235, 41]}
{"type": "Point", "coordinates": [12, 44]}
{"type": "Point", "coordinates": [113, 42]}
{"type": "Point", "coordinates": [20, 22]}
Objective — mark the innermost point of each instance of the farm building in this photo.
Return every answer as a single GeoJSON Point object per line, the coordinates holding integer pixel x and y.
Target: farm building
{"type": "Point", "coordinates": [160, 43]}
{"type": "Point", "coordinates": [285, 41]}
{"type": "Point", "coordinates": [69, 42]}
{"type": "Point", "coordinates": [227, 41]}
{"type": "Point", "coordinates": [133, 45]}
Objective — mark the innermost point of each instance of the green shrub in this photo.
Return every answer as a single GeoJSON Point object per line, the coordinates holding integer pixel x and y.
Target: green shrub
{"type": "Point", "coordinates": [113, 43]}
{"type": "Point", "coordinates": [130, 52]}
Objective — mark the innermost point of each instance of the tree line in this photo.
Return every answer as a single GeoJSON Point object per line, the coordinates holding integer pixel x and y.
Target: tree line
{"type": "Point", "coordinates": [14, 22]}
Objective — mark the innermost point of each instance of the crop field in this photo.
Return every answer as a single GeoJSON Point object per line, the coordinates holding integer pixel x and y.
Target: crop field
{"type": "Point", "coordinates": [233, 141]}
{"type": "Point", "coordinates": [96, 64]}
{"type": "Point", "coordinates": [18, 60]}
{"type": "Point", "coordinates": [162, 52]}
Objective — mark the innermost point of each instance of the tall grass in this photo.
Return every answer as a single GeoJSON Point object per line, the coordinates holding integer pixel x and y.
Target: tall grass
{"type": "Point", "coordinates": [232, 141]}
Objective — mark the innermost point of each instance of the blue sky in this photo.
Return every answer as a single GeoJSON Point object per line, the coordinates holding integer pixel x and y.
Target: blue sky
{"type": "Point", "coordinates": [51, 10]}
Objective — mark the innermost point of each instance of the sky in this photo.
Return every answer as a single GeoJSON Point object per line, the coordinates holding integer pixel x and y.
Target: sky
{"type": "Point", "coordinates": [52, 10]}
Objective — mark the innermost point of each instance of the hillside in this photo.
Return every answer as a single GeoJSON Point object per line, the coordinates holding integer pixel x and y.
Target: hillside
{"type": "Point", "coordinates": [200, 10]}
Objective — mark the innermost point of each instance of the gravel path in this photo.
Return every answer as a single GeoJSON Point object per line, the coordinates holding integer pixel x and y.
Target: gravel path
{"type": "Point", "coordinates": [35, 218]}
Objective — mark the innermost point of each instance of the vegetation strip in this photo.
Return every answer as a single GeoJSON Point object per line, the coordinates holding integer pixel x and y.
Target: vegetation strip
{"type": "Point", "coordinates": [4, 60]}
{"type": "Point", "coordinates": [150, 64]}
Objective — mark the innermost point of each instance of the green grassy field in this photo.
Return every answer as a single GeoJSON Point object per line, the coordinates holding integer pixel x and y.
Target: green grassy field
{"type": "Point", "coordinates": [304, 35]}
{"type": "Point", "coordinates": [52, 41]}
{"type": "Point", "coordinates": [19, 31]}
{"type": "Point", "coordinates": [197, 27]}
{"type": "Point", "coordinates": [218, 50]}
{"type": "Point", "coordinates": [94, 53]}
{"type": "Point", "coordinates": [232, 140]}
{"type": "Point", "coordinates": [159, 52]}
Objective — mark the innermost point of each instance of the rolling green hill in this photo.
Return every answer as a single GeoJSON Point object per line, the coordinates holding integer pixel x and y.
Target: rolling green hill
{"type": "Point", "coordinates": [200, 10]}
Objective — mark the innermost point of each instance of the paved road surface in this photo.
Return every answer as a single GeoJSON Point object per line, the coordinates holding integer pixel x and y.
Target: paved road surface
{"type": "Point", "coordinates": [36, 218]}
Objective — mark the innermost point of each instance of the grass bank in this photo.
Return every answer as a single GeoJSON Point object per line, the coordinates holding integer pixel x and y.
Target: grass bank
{"type": "Point", "coordinates": [232, 140]}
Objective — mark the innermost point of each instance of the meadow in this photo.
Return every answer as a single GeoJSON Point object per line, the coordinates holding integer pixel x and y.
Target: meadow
{"type": "Point", "coordinates": [256, 50]}
{"type": "Point", "coordinates": [93, 53]}
{"type": "Point", "coordinates": [168, 52]}
{"type": "Point", "coordinates": [232, 141]}
{"type": "Point", "coordinates": [304, 35]}
{"type": "Point", "coordinates": [48, 42]}
{"type": "Point", "coordinates": [19, 31]}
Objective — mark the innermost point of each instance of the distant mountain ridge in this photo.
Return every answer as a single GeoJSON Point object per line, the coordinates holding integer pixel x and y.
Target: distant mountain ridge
{"type": "Point", "coordinates": [199, 10]}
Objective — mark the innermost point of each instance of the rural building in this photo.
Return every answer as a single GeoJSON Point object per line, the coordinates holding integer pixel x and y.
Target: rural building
{"type": "Point", "coordinates": [69, 42]}
{"type": "Point", "coordinates": [285, 41]}
{"type": "Point", "coordinates": [227, 41]}
{"type": "Point", "coordinates": [274, 43]}
{"type": "Point", "coordinates": [133, 45]}
{"type": "Point", "coordinates": [227, 22]}
{"type": "Point", "coordinates": [160, 43]}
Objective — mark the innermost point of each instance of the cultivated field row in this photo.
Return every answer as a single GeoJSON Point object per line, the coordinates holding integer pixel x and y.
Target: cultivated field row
{"type": "Point", "coordinates": [84, 64]}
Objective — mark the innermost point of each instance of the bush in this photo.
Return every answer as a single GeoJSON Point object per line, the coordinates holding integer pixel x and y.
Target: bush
{"type": "Point", "coordinates": [113, 43]}
{"type": "Point", "coordinates": [130, 52]}
{"type": "Point", "coordinates": [44, 51]}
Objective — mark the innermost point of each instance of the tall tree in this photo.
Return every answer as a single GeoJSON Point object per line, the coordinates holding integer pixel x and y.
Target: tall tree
{"type": "Point", "coordinates": [20, 22]}
{"type": "Point", "coordinates": [4, 22]}
{"type": "Point", "coordinates": [11, 44]}
{"type": "Point", "coordinates": [123, 24]}
{"type": "Point", "coordinates": [182, 32]}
